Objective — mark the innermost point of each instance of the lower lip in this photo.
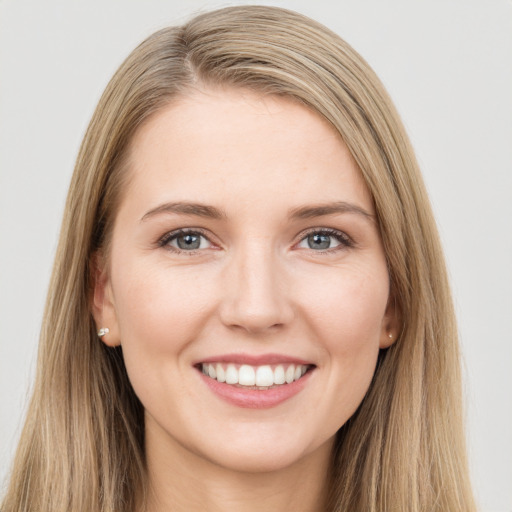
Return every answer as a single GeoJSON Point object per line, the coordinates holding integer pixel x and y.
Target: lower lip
{"type": "Point", "coordinates": [256, 398]}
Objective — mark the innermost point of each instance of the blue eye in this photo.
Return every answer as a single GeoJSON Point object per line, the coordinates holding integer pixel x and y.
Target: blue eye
{"type": "Point", "coordinates": [185, 241]}
{"type": "Point", "coordinates": [323, 240]}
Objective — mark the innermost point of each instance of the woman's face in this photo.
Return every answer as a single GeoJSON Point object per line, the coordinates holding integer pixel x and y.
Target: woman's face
{"type": "Point", "coordinates": [245, 247]}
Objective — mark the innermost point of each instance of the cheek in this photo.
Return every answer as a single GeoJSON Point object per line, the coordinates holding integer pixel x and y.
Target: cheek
{"type": "Point", "coordinates": [346, 316]}
{"type": "Point", "coordinates": [348, 306]}
{"type": "Point", "coordinates": [160, 313]}
{"type": "Point", "coordinates": [158, 309]}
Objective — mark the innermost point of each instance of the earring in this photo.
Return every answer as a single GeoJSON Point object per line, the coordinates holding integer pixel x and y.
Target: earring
{"type": "Point", "coordinates": [103, 331]}
{"type": "Point", "coordinates": [390, 335]}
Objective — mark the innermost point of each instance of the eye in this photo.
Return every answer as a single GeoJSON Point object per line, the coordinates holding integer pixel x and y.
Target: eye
{"type": "Point", "coordinates": [185, 241]}
{"type": "Point", "coordinates": [325, 240]}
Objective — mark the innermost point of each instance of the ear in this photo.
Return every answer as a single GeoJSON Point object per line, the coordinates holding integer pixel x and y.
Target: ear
{"type": "Point", "coordinates": [102, 301]}
{"type": "Point", "coordinates": [390, 324]}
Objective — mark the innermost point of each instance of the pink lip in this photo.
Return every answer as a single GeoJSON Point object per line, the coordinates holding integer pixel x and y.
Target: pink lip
{"type": "Point", "coordinates": [255, 398]}
{"type": "Point", "coordinates": [254, 360]}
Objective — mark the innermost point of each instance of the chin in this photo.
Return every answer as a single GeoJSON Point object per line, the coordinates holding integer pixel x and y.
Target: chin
{"type": "Point", "coordinates": [264, 456]}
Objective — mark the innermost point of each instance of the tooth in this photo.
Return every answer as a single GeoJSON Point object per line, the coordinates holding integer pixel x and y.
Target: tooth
{"type": "Point", "coordinates": [264, 376]}
{"type": "Point", "coordinates": [279, 377]}
{"type": "Point", "coordinates": [221, 374]}
{"type": "Point", "coordinates": [261, 376]}
{"type": "Point", "coordinates": [246, 375]}
{"type": "Point", "coordinates": [231, 374]}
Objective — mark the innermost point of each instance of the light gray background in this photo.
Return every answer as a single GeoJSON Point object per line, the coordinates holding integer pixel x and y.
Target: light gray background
{"type": "Point", "coordinates": [448, 66]}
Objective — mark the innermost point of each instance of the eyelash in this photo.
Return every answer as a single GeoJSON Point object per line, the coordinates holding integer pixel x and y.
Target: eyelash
{"type": "Point", "coordinates": [169, 237]}
{"type": "Point", "coordinates": [344, 240]}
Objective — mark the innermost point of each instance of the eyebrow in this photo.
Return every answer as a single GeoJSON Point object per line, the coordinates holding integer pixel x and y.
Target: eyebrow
{"type": "Point", "coordinates": [185, 208]}
{"type": "Point", "coordinates": [320, 210]}
{"type": "Point", "coordinates": [301, 212]}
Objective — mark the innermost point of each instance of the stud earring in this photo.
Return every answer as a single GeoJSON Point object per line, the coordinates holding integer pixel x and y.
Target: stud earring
{"type": "Point", "coordinates": [390, 335]}
{"type": "Point", "coordinates": [103, 331]}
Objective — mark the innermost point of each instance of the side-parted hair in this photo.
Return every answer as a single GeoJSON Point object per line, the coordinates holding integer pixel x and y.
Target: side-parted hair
{"type": "Point", "coordinates": [82, 446]}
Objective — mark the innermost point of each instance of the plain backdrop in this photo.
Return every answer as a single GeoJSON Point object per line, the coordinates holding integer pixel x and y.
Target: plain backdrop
{"type": "Point", "coordinates": [447, 65]}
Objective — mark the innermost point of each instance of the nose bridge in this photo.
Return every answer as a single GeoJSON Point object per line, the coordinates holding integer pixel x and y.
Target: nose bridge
{"type": "Point", "coordinates": [255, 290]}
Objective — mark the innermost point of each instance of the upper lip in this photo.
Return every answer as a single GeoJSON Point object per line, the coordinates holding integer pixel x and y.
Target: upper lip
{"type": "Point", "coordinates": [254, 360]}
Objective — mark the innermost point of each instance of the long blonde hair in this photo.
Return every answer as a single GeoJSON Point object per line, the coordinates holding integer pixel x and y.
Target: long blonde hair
{"type": "Point", "coordinates": [82, 447]}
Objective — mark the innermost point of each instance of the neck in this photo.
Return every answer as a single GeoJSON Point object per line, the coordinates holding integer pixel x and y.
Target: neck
{"type": "Point", "coordinates": [180, 480]}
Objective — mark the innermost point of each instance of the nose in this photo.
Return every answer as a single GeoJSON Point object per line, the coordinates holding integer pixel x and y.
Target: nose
{"type": "Point", "coordinates": [255, 296]}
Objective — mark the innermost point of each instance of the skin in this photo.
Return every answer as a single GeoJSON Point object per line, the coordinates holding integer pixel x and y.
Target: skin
{"type": "Point", "coordinates": [254, 286]}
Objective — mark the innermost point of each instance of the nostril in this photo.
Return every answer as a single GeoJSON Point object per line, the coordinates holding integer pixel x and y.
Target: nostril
{"type": "Point", "coordinates": [255, 320]}
{"type": "Point", "coordinates": [254, 298]}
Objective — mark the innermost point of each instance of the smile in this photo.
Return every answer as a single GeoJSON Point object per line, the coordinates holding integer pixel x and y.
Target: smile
{"type": "Point", "coordinates": [255, 377]}
{"type": "Point", "coordinates": [255, 382]}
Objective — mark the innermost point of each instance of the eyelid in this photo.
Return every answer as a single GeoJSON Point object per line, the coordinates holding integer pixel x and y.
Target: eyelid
{"type": "Point", "coordinates": [345, 240]}
{"type": "Point", "coordinates": [164, 240]}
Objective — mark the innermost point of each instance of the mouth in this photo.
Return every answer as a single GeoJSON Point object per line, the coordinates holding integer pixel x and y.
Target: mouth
{"type": "Point", "coordinates": [255, 381]}
{"type": "Point", "coordinates": [256, 377]}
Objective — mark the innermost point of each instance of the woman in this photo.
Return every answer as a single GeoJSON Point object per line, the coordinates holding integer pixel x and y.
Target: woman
{"type": "Point", "coordinates": [249, 308]}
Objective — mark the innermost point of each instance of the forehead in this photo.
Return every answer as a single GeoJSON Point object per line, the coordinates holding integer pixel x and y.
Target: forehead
{"type": "Point", "coordinates": [233, 145]}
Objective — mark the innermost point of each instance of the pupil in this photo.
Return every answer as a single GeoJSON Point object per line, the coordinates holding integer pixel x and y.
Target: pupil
{"type": "Point", "coordinates": [318, 241]}
{"type": "Point", "coordinates": [189, 242]}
